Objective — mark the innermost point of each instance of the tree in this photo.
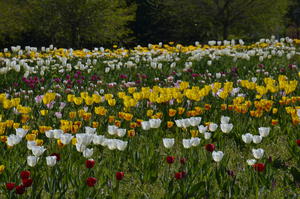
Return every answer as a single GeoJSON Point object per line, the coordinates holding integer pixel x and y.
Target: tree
{"type": "Point", "coordinates": [80, 23]}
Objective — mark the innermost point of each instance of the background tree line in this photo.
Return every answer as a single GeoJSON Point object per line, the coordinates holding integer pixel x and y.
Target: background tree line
{"type": "Point", "coordinates": [89, 23]}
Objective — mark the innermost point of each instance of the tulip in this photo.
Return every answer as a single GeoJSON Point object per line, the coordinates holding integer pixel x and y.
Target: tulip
{"type": "Point", "coordinates": [225, 119]}
{"type": "Point", "coordinates": [90, 163]}
{"type": "Point", "coordinates": [32, 160]}
{"type": "Point", "coordinates": [121, 132]}
{"type": "Point", "coordinates": [10, 186]}
{"type": "Point", "coordinates": [217, 155]}
{"type": "Point", "coordinates": [66, 138]}
{"type": "Point", "coordinates": [257, 139]}
{"type": "Point", "coordinates": [226, 128]}
{"type": "Point", "coordinates": [25, 174]}
{"type": "Point", "coordinates": [182, 160]}
{"type": "Point", "coordinates": [194, 121]}
{"type": "Point", "coordinates": [84, 138]}
{"type": "Point", "coordinates": [180, 175]}
{"type": "Point", "coordinates": [30, 144]}
{"type": "Point", "coordinates": [57, 133]}
{"type": "Point", "coordinates": [212, 127]}
{"type": "Point", "coordinates": [91, 181]}
{"type": "Point", "coordinates": [247, 138]}
{"type": "Point", "coordinates": [121, 145]}
{"type": "Point", "coordinates": [210, 147]}
{"type": "Point", "coordinates": [80, 147]}
{"type": "Point", "coordinates": [13, 140]}
{"type": "Point", "coordinates": [119, 175]}
{"type": "Point", "coordinates": [260, 167]}
{"type": "Point", "coordinates": [38, 150]}
{"type": "Point", "coordinates": [264, 131]}
{"type": "Point", "coordinates": [155, 123]}
{"type": "Point", "coordinates": [87, 153]}
{"type": "Point", "coordinates": [195, 141]}
{"type": "Point", "coordinates": [27, 182]}
{"type": "Point", "coordinates": [49, 134]}
{"type": "Point", "coordinates": [298, 142]}
{"type": "Point", "coordinates": [20, 189]}
{"type": "Point", "coordinates": [21, 132]}
{"type": "Point", "coordinates": [207, 135]}
{"type": "Point", "coordinates": [145, 125]}
{"type": "Point", "coordinates": [90, 130]}
{"type": "Point", "coordinates": [112, 129]}
{"type": "Point", "coordinates": [251, 162]}
{"type": "Point", "coordinates": [168, 142]}
{"type": "Point", "coordinates": [51, 160]}
{"type": "Point", "coordinates": [202, 129]}
{"type": "Point", "coordinates": [186, 143]}
{"type": "Point", "coordinates": [98, 140]}
{"type": "Point", "coordinates": [258, 153]}
{"type": "Point", "coordinates": [170, 159]}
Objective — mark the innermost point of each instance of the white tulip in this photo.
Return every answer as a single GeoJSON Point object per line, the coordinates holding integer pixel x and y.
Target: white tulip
{"type": "Point", "coordinates": [247, 138]}
{"type": "Point", "coordinates": [212, 127]}
{"type": "Point", "coordinates": [21, 132]}
{"type": "Point", "coordinates": [13, 140]}
{"type": "Point", "coordinates": [90, 130]}
{"type": "Point", "coordinates": [84, 138]}
{"type": "Point", "coordinates": [251, 162]}
{"type": "Point", "coordinates": [194, 121]}
{"type": "Point", "coordinates": [226, 128]}
{"type": "Point", "coordinates": [30, 144]}
{"type": "Point", "coordinates": [217, 155]}
{"type": "Point", "coordinates": [38, 150]}
{"type": "Point", "coordinates": [207, 135]}
{"type": "Point", "coordinates": [49, 134]}
{"type": "Point", "coordinates": [168, 142]}
{"type": "Point", "coordinates": [112, 129]}
{"type": "Point", "coordinates": [264, 131]}
{"type": "Point", "coordinates": [87, 153]}
{"type": "Point", "coordinates": [202, 129]}
{"type": "Point", "coordinates": [57, 133]}
{"type": "Point", "coordinates": [258, 153]}
{"type": "Point", "coordinates": [257, 139]}
{"type": "Point", "coordinates": [66, 138]}
{"type": "Point", "coordinates": [51, 161]}
{"type": "Point", "coordinates": [32, 160]}
{"type": "Point", "coordinates": [121, 132]}
{"type": "Point", "coordinates": [195, 141]}
{"type": "Point", "coordinates": [121, 145]}
{"type": "Point", "coordinates": [186, 143]}
{"type": "Point", "coordinates": [80, 147]}
{"type": "Point", "coordinates": [145, 125]}
{"type": "Point", "coordinates": [98, 140]}
{"type": "Point", "coordinates": [225, 119]}
{"type": "Point", "coordinates": [155, 123]}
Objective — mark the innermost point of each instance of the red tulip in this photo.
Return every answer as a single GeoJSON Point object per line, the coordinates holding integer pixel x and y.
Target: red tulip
{"type": "Point", "coordinates": [27, 182]}
{"type": "Point", "coordinates": [119, 175]}
{"type": "Point", "coordinates": [10, 185]}
{"type": "Point", "coordinates": [25, 174]}
{"type": "Point", "coordinates": [180, 175]}
{"type": "Point", "coordinates": [182, 160]}
{"type": "Point", "coordinates": [91, 181]}
{"type": "Point", "coordinates": [20, 189]}
{"type": "Point", "coordinates": [210, 147]}
{"type": "Point", "coordinates": [298, 142]}
{"type": "Point", "coordinates": [89, 163]}
{"type": "Point", "coordinates": [259, 167]}
{"type": "Point", "coordinates": [170, 159]}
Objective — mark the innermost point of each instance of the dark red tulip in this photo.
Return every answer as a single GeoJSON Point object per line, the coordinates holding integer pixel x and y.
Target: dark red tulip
{"type": "Point", "coordinates": [298, 142]}
{"type": "Point", "coordinates": [210, 147]}
{"type": "Point", "coordinates": [90, 163]}
{"type": "Point", "coordinates": [170, 159]}
{"type": "Point", "coordinates": [25, 174]}
{"type": "Point", "coordinates": [27, 182]}
{"type": "Point", "coordinates": [180, 175]}
{"type": "Point", "coordinates": [119, 175]}
{"type": "Point", "coordinates": [10, 185]}
{"type": "Point", "coordinates": [20, 189]}
{"type": "Point", "coordinates": [259, 167]}
{"type": "Point", "coordinates": [91, 181]}
{"type": "Point", "coordinates": [182, 160]}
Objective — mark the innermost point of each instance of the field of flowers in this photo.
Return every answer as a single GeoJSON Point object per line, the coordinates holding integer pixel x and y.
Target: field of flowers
{"type": "Point", "coordinates": [220, 120]}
